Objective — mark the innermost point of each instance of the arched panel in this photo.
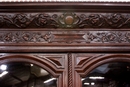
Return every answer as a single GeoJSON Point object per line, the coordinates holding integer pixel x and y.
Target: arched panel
{"type": "Point", "coordinates": [33, 70]}
{"type": "Point", "coordinates": [112, 74]}
{"type": "Point", "coordinates": [22, 74]}
{"type": "Point", "coordinates": [87, 63]}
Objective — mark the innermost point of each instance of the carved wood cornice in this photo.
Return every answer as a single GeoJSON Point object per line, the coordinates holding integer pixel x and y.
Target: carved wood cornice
{"type": "Point", "coordinates": [67, 20]}
{"type": "Point", "coordinates": [68, 6]}
{"type": "Point", "coordinates": [64, 27]}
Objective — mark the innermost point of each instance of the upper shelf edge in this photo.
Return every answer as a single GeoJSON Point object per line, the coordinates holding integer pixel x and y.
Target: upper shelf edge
{"type": "Point", "coordinates": [64, 6]}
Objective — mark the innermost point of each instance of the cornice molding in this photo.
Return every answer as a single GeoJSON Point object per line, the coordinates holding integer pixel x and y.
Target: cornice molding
{"type": "Point", "coordinates": [67, 20]}
{"type": "Point", "coordinates": [64, 27]}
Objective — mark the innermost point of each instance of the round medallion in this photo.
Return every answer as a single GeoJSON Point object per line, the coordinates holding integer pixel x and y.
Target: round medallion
{"type": "Point", "coordinates": [69, 20]}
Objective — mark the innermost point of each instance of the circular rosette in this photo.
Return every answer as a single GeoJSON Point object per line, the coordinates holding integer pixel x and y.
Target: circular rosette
{"type": "Point", "coordinates": [22, 20]}
{"type": "Point", "coordinates": [95, 20]}
{"type": "Point", "coordinates": [42, 20]}
{"type": "Point", "coordinates": [68, 20]}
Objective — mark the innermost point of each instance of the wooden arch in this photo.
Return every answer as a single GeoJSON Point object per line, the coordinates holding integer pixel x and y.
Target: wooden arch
{"type": "Point", "coordinates": [91, 63]}
{"type": "Point", "coordinates": [56, 70]}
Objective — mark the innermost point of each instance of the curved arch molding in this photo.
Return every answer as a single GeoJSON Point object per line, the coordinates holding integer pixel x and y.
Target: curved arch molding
{"type": "Point", "coordinates": [86, 62]}
{"type": "Point", "coordinates": [53, 63]}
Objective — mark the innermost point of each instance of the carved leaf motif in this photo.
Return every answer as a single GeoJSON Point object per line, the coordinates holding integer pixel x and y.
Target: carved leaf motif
{"type": "Point", "coordinates": [47, 37]}
{"type": "Point", "coordinates": [108, 37]}
{"type": "Point", "coordinates": [93, 20]}
{"type": "Point", "coordinates": [64, 20]}
{"type": "Point", "coordinates": [26, 36]}
{"type": "Point", "coordinates": [22, 20]}
{"type": "Point", "coordinates": [116, 20]}
{"type": "Point", "coordinates": [8, 37]}
{"type": "Point", "coordinates": [42, 20]}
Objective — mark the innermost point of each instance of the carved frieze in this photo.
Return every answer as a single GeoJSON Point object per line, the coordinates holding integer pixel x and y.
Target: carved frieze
{"type": "Point", "coordinates": [41, 37]}
{"type": "Point", "coordinates": [64, 20]}
{"type": "Point", "coordinates": [68, 37]}
{"type": "Point", "coordinates": [22, 37]}
{"type": "Point", "coordinates": [108, 37]}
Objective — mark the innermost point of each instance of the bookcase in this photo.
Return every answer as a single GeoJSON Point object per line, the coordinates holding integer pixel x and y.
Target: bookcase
{"type": "Point", "coordinates": [64, 44]}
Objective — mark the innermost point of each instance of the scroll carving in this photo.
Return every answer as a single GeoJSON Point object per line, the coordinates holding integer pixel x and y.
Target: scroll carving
{"type": "Point", "coordinates": [117, 20]}
{"type": "Point", "coordinates": [92, 20]}
{"type": "Point", "coordinates": [64, 20]}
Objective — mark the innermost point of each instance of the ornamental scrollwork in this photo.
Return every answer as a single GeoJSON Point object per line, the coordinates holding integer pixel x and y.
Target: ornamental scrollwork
{"type": "Point", "coordinates": [108, 37]}
{"type": "Point", "coordinates": [17, 20]}
{"type": "Point", "coordinates": [47, 37]}
{"type": "Point", "coordinates": [92, 20]}
{"type": "Point", "coordinates": [24, 37]}
{"type": "Point", "coordinates": [42, 19]}
{"type": "Point", "coordinates": [95, 20]}
{"type": "Point", "coordinates": [65, 20]}
{"type": "Point", "coordinates": [65, 37]}
{"type": "Point", "coordinates": [45, 20]}
{"type": "Point", "coordinates": [116, 20]}
{"type": "Point", "coordinates": [22, 20]}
